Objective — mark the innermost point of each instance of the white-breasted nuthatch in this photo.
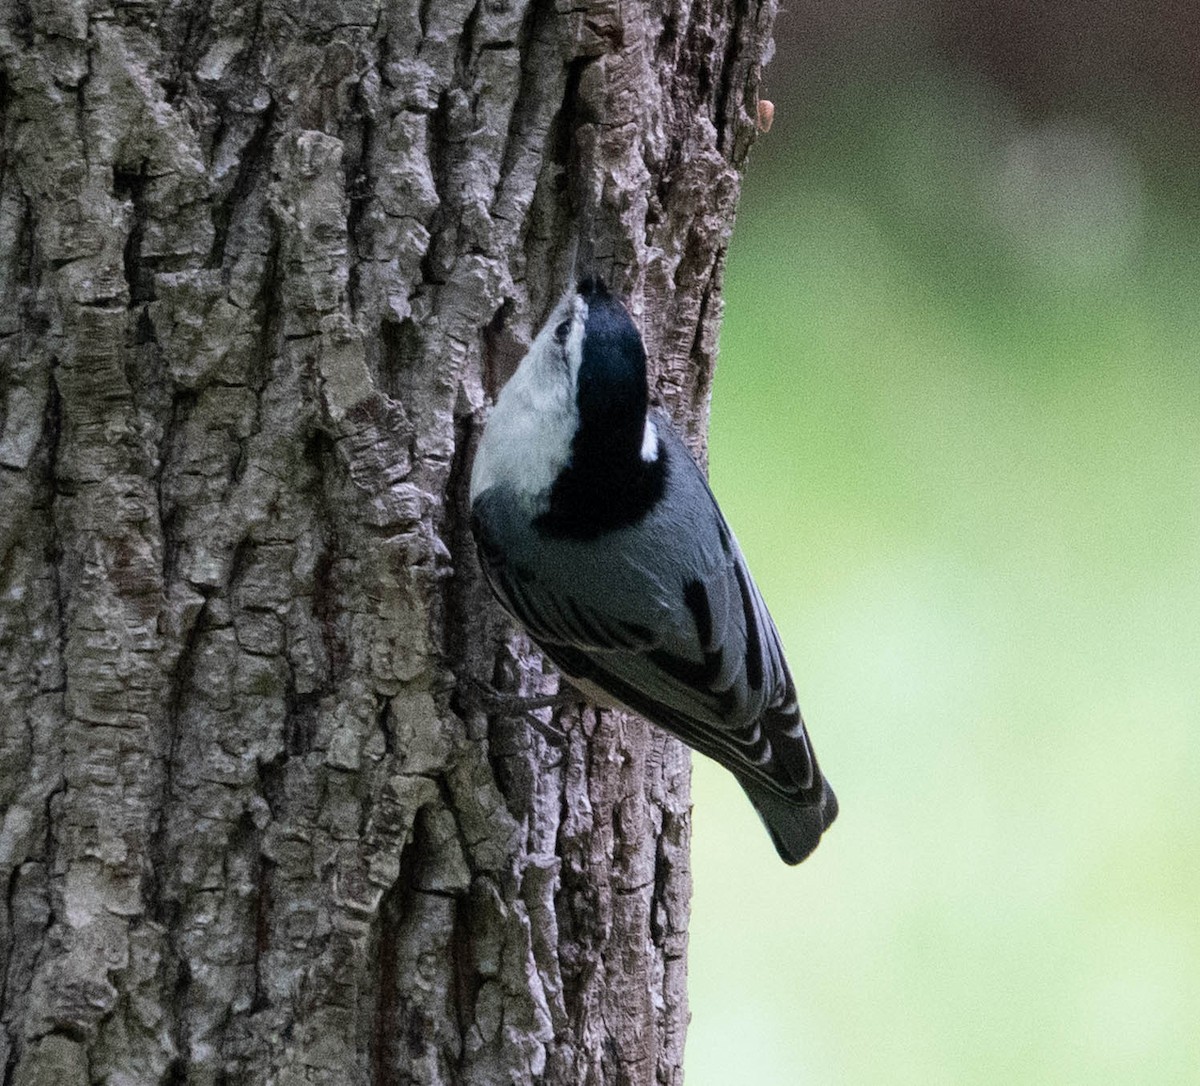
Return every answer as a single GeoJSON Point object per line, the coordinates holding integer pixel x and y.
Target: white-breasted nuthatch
{"type": "Point", "coordinates": [597, 531]}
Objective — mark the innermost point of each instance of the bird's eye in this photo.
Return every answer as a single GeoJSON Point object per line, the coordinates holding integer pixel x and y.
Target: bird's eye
{"type": "Point", "coordinates": [562, 331]}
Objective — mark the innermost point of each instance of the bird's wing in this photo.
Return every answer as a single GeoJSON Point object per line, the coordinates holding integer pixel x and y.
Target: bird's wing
{"type": "Point", "coordinates": [728, 693]}
{"type": "Point", "coordinates": [554, 617]}
{"type": "Point", "coordinates": [710, 669]}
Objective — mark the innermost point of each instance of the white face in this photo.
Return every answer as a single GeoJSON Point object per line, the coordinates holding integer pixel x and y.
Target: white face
{"type": "Point", "coordinates": [530, 430]}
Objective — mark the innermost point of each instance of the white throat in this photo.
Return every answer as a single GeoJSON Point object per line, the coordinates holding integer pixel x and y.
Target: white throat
{"type": "Point", "coordinates": [528, 437]}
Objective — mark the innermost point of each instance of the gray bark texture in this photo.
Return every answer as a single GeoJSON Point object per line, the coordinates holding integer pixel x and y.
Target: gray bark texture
{"type": "Point", "coordinates": [262, 264]}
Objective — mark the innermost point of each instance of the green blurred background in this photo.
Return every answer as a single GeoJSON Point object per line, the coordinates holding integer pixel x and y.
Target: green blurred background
{"type": "Point", "coordinates": [956, 426]}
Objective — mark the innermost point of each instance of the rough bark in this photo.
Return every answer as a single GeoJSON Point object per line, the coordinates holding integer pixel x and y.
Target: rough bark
{"type": "Point", "coordinates": [261, 264]}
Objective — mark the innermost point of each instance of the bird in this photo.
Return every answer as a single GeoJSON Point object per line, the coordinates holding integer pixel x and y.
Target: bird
{"type": "Point", "coordinates": [597, 532]}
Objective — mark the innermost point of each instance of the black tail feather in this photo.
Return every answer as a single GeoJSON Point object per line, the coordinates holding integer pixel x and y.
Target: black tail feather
{"type": "Point", "coordinates": [795, 828]}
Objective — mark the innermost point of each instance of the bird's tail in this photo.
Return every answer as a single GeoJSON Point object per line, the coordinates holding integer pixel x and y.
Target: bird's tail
{"type": "Point", "coordinates": [795, 827]}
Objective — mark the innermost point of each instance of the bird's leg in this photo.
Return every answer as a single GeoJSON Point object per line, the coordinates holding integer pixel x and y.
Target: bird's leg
{"type": "Point", "coordinates": [495, 702]}
{"type": "Point", "coordinates": [488, 698]}
{"type": "Point", "coordinates": [500, 702]}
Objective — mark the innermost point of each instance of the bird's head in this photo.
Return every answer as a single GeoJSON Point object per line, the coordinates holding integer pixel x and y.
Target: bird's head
{"type": "Point", "coordinates": [579, 392]}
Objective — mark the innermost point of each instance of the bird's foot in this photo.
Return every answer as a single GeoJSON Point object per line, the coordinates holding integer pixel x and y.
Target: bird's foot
{"type": "Point", "coordinates": [493, 702]}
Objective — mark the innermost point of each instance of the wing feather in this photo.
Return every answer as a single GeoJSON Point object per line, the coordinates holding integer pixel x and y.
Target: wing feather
{"type": "Point", "coordinates": [726, 691]}
{"type": "Point", "coordinates": [708, 666]}
{"type": "Point", "coordinates": [557, 618]}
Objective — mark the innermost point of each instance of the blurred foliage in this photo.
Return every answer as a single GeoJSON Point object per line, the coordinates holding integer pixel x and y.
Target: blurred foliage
{"type": "Point", "coordinates": [955, 427]}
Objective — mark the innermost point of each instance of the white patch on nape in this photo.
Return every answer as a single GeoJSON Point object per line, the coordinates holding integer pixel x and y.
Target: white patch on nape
{"type": "Point", "coordinates": [650, 442]}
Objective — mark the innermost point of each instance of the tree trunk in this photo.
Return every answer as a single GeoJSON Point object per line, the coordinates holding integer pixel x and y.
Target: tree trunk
{"type": "Point", "coordinates": [261, 265]}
